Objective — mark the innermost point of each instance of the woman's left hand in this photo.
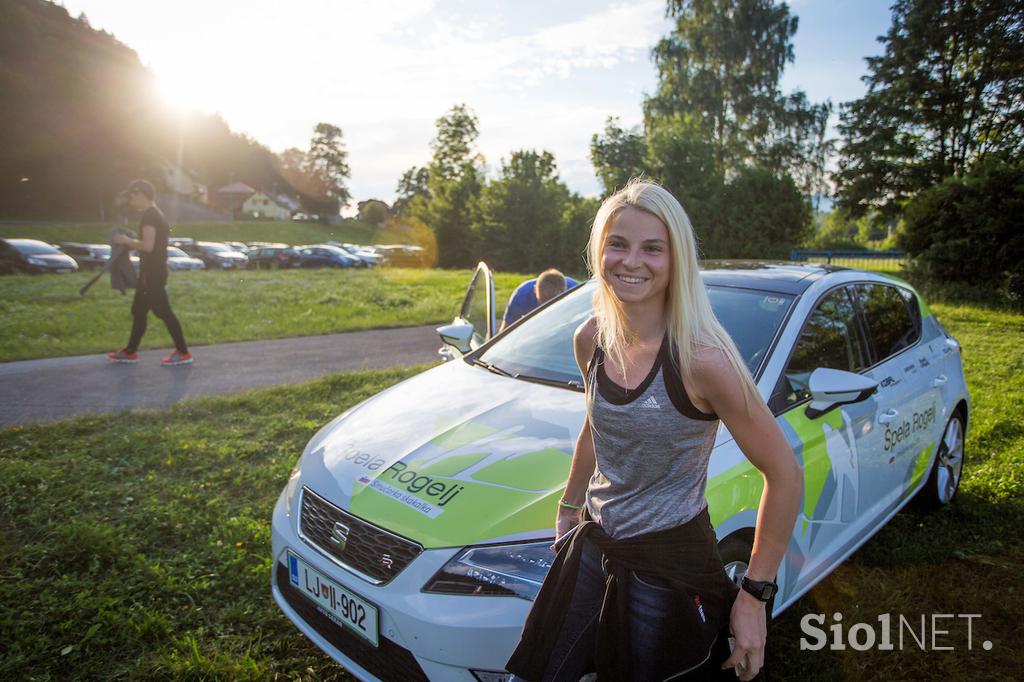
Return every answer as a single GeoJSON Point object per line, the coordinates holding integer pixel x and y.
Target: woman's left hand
{"type": "Point", "coordinates": [749, 628]}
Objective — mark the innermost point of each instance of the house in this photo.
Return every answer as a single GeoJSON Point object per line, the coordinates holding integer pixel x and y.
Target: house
{"type": "Point", "coordinates": [182, 182]}
{"type": "Point", "coordinates": [261, 205]}
{"type": "Point", "coordinates": [233, 196]}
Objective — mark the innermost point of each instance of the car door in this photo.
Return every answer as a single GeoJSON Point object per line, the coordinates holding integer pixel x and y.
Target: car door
{"type": "Point", "coordinates": [473, 325]}
{"type": "Point", "coordinates": [478, 306]}
{"type": "Point", "coordinates": [826, 445]}
{"type": "Point", "coordinates": [905, 430]}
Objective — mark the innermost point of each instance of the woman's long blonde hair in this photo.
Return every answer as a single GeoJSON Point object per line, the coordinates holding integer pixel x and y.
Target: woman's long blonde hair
{"type": "Point", "coordinates": [692, 324]}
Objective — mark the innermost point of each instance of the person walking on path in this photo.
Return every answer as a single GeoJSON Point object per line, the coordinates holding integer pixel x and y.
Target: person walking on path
{"type": "Point", "coordinates": [638, 589]}
{"type": "Point", "coordinates": [151, 289]}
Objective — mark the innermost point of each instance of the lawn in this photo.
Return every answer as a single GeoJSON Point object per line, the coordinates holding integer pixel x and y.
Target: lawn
{"type": "Point", "coordinates": [44, 316]}
{"type": "Point", "coordinates": [138, 547]}
{"type": "Point", "coordinates": [289, 232]}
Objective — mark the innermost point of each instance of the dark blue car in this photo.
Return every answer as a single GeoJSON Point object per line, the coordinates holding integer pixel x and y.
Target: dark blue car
{"type": "Point", "coordinates": [323, 256]}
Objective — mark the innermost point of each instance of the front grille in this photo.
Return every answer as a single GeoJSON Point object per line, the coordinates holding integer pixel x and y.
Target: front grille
{"type": "Point", "coordinates": [372, 552]}
{"type": "Point", "coordinates": [386, 662]}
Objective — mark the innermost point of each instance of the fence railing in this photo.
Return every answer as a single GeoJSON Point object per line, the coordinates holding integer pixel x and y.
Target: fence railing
{"type": "Point", "coordinates": [885, 261]}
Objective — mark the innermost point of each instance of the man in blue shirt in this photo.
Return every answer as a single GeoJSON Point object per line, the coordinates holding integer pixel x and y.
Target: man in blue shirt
{"type": "Point", "coordinates": [533, 292]}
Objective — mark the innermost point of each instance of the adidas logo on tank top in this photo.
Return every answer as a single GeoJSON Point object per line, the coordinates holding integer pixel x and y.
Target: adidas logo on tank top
{"type": "Point", "coordinates": [650, 403]}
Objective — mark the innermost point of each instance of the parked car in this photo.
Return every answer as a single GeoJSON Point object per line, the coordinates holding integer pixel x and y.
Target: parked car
{"type": "Point", "coordinates": [240, 247]}
{"type": "Point", "coordinates": [179, 260]}
{"type": "Point", "coordinates": [272, 256]}
{"type": "Point", "coordinates": [402, 255]}
{"type": "Point", "coordinates": [88, 256]}
{"type": "Point", "coordinates": [34, 257]}
{"type": "Point", "coordinates": [324, 256]}
{"type": "Point", "coordinates": [215, 255]}
{"type": "Point", "coordinates": [414, 531]}
{"type": "Point", "coordinates": [368, 257]}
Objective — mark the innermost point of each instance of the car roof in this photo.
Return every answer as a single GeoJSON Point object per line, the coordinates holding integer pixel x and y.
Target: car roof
{"type": "Point", "coordinates": [26, 242]}
{"type": "Point", "coordinates": [783, 277]}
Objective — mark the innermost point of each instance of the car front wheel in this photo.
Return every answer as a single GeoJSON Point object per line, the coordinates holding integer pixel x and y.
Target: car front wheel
{"type": "Point", "coordinates": [944, 478]}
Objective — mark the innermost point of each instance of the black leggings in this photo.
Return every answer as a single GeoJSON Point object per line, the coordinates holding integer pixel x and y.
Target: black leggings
{"type": "Point", "coordinates": [153, 298]}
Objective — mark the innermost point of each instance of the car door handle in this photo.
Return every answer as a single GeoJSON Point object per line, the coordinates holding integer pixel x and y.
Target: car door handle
{"type": "Point", "coordinates": [939, 381]}
{"type": "Point", "coordinates": [888, 416]}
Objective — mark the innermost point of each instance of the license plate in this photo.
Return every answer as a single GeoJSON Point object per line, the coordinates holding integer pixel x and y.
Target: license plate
{"type": "Point", "coordinates": [333, 600]}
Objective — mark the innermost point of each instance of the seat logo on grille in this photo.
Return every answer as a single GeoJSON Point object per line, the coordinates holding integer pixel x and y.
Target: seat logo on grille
{"type": "Point", "coordinates": [339, 534]}
{"type": "Point", "coordinates": [386, 561]}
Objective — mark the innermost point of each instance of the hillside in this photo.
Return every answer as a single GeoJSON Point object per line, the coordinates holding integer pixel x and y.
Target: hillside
{"type": "Point", "coordinates": [81, 116]}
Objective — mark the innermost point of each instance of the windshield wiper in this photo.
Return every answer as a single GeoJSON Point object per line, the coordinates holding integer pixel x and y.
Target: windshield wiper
{"type": "Point", "coordinates": [560, 383]}
{"type": "Point", "coordinates": [492, 368]}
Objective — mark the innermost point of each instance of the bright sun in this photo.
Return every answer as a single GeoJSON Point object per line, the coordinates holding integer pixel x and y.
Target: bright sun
{"type": "Point", "coordinates": [183, 92]}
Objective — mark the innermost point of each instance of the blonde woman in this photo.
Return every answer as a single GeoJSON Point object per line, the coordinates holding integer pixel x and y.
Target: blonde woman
{"type": "Point", "coordinates": [638, 590]}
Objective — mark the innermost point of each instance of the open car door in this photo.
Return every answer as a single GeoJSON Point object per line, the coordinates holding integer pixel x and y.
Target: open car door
{"type": "Point", "coordinates": [475, 324]}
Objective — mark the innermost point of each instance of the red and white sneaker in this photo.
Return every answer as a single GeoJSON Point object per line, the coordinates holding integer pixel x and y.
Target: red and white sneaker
{"type": "Point", "coordinates": [122, 356]}
{"type": "Point", "coordinates": [176, 358]}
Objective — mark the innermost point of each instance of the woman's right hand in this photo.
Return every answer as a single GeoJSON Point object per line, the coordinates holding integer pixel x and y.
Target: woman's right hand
{"type": "Point", "coordinates": [565, 521]}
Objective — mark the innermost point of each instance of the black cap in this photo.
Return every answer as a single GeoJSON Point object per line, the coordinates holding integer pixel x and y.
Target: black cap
{"type": "Point", "coordinates": [140, 186]}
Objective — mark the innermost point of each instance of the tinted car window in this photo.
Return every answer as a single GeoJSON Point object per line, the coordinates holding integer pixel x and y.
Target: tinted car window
{"type": "Point", "coordinates": [892, 317]}
{"type": "Point", "coordinates": [829, 339]}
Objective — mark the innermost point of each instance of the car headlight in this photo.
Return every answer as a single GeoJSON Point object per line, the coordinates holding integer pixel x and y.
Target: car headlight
{"type": "Point", "coordinates": [292, 487]}
{"type": "Point", "coordinates": [511, 570]}
{"type": "Point", "coordinates": [36, 261]}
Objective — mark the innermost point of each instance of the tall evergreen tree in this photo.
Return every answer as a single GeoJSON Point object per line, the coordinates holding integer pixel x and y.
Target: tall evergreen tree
{"type": "Point", "coordinates": [947, 94]}
{"type": "Point", "coordinates": [327, 163]}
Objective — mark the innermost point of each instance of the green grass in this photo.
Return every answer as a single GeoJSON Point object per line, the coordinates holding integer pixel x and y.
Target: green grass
{"type": "Point", "coordinates": [138, 547]}
{"type": "Point", "coordinates": [289, 232]}
{"type": "Point", "coordinates": [44, 316]}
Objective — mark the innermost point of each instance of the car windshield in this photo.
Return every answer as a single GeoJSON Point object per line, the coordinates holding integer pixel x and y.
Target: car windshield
{"type": "Point", "coordinates": [176, 252]}
{"type": "Point", "coordinates": [217, 248]}
{"type": "Point", "coordinates": [541, 347]}
{"type": "Point", "coordinates": [31, 248]}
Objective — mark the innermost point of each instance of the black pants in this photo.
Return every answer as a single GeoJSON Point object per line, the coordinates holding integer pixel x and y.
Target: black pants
{"type": "Point", "coordinates": [147, 298]}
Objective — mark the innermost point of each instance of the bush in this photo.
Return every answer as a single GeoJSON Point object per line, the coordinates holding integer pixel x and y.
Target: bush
{"type": "Point", "coordinates": [967, 231]}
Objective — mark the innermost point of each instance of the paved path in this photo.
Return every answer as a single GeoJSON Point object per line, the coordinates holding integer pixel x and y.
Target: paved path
{"type": "Point", "coordinates": [56, 388]}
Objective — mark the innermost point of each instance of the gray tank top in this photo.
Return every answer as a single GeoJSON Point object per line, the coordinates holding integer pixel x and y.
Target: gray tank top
{"type": "Point", "coordinates": [652, 446]}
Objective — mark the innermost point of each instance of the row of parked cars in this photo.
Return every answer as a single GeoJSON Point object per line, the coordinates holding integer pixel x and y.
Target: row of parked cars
{"type": "Point", "coordinates": [34, 257]}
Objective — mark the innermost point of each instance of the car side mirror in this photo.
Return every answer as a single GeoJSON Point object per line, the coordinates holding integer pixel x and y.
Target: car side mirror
{"type": "Point", "coordinates": [831, 388]}
{"type": "Point", "coordinates": [457, 335]}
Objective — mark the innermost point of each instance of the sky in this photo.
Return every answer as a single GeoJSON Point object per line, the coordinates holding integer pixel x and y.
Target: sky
{"type": "Point", "coordinates": [538, 74]}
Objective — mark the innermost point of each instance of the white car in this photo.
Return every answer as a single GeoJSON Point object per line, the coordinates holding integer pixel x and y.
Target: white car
{"type": "Point", "coordinates": [413, 533]}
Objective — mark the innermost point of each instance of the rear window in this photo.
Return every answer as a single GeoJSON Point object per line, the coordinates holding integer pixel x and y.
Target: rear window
{"type": "Point", "coordinates": [30, 248]}
{"type": "Point", "coordinates": [891, 315]}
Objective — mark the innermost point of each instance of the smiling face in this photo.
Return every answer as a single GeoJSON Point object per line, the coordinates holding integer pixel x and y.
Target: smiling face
{"type": "Point", "coordinates": [636, 260]}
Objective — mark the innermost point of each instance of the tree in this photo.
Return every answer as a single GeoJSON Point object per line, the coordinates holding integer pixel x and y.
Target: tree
{"type": "Point", "coordinates": [761, 216]}
{"type": "Point", "coordinates": [455, 179]}
{"type": "Point", "coordinates": [373, 211]}
{"type": "Point", "coordinates": [967, 229]}
{"type": "Point", "coordinates": [618, 155]}
{"type": "Point", "coordinates": [946, 95]}
{"type": "Point", "coordinates": [521, 212]}
{"type": "Point", "coordinates": [414, 183]}
{"type": "Point", "coordinates": [327, 163]}
{"type": "Point", "coordinates": [718, 75]}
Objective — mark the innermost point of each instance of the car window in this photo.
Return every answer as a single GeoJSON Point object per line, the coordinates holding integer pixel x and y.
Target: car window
{"type": "Point", "coordinates": [891, 315]}
{"type": "Point", "coordinates": [33, 248]}
{"type": "Point", "coordinates": [474, 309]}
{"type": "Point", "coordinates": [829, 339]}
{"type": "Point", "coordinates": [541, 345]}
{"type": "Point", "coordinates": [176, 252]}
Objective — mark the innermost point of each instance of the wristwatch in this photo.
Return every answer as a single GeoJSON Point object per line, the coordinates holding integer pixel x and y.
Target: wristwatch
{"type": "Point", "coordinates": [761, 589]}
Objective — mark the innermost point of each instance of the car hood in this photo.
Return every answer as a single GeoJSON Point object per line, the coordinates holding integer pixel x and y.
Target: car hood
{"type": "Point", "coordinates": [454, 456]}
